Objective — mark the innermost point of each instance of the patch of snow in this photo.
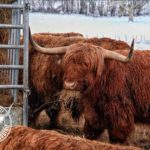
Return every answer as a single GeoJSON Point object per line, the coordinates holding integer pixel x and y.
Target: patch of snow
{"type": "Point", "coordinates": [56, 5]}
{"type": "Point", "coordinates": [113, 27]}
{"type": "Point", "coordinates": [2, 119]}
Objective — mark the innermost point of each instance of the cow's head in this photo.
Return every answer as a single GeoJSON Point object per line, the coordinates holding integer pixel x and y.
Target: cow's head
{"type": "Point", "coordinates": [83, 63]}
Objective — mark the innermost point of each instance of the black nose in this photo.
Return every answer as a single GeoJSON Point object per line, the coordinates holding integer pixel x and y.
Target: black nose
{"type": "Point", "coordinates": [84, 85]}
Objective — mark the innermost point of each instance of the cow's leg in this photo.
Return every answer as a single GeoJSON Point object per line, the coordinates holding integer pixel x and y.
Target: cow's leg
{"type": "Point", "coordinates": [120, 120]}
{"type": "Point", "coordinates": [92, 127]}
{"type": "Point", "coordinates": [35, 101]}
{"type": "Point", "coordinates": [53, 114]}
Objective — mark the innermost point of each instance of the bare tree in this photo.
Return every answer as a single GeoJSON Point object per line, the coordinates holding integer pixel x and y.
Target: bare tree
{"type": "Point", "coordinates": [100, 7]}
{"type": "Point", "coordinates": [72, 6]}
{"type": "Point", "coordinates": [129, 6]}
{"type": "Point", "coordinates": [83, 6]}
{"type": "Point", "coordinates": [91, 7]}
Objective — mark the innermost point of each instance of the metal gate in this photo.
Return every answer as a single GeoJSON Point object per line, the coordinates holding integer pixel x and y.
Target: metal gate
{"type": "Point", "coordinates": [20, 24]}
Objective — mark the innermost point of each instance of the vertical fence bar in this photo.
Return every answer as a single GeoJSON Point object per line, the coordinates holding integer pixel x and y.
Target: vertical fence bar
{"type": "Point", "coordinates": [13, 51]}
{"type": "Point", "coordinates": [16, 57]}
{"type": "Point", "coordinates": [26, 59]}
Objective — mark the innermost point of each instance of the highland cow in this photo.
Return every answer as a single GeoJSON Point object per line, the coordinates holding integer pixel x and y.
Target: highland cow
{"type": "Point", "coordinates": [45, 71]}
{"type": "Point", "coordinates": [27, 138]}
{"type": "Point", "coordinates": [114, 94]}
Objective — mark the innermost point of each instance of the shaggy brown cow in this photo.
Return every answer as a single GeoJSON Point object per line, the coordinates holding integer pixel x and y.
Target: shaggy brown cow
{"type": "Point", "coordinates": [114, 94]}
{"type": "Point", "coordinates": [45, 71]}
{"type": "Point", "coordinates": [24, 138]}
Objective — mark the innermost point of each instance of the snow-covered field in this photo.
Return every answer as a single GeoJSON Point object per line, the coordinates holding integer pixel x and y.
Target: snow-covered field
{"type": "Point", "coordinates": [114, 27]}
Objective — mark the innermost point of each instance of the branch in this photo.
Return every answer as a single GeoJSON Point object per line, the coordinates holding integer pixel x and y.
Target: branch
{"type": "Point", "coordinates": [141, 4]}
{"type": "Point", "coordinates": [125, 9]}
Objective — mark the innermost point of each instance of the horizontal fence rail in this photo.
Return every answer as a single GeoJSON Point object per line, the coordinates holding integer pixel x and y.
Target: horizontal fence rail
{"type": "Point", "coordinates": [11, 46]}
{"type": "Point", "coordinates": [11, 26]}
{"type": "Point", "coordinates": [11, 67]}
{"type": "Point", "coordinates": [11, 87]}
{"type": "Point", "coordinates": [12, 6]}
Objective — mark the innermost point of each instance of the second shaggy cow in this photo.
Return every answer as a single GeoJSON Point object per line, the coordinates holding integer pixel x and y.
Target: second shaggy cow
{"type": "Point", "coordinates": [114, 94]}
{"type": "Point", "coordinates": [24, 138]}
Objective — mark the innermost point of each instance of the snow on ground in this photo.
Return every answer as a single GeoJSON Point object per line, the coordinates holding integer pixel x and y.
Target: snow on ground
{"type": "Point", "coordinates": [113, 27]}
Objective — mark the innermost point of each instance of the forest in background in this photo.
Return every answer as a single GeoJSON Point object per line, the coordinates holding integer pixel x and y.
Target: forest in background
{"type": "Point", "coordinates": [93, 7]}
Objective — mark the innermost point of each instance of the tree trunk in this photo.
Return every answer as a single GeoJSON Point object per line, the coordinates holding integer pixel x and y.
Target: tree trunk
{"type": "Point", "coordinates": [131, 13]}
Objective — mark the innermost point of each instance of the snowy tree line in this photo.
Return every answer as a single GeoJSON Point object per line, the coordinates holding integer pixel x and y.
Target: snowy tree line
{"type": "Point", "coordinates": [93, 7]}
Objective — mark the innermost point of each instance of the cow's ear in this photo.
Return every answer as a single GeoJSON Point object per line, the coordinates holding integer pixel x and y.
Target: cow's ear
{"type": "Point", "coordinates": [100, 64]}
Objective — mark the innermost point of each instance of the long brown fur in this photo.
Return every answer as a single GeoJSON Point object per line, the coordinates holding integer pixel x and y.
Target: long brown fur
{"type": "Point", "coordinates": [24, 138]}
{"type": "Point", "coordinates": [3, 74]}
{"type": "Point", "coordinates": [118, 98]}
{"type": "Point", "coordinates": [69, 34]}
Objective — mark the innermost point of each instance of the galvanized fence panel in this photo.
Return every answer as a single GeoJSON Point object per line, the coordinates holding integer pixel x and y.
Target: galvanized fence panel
{"type": "Point", "coordinates": [12, 67]}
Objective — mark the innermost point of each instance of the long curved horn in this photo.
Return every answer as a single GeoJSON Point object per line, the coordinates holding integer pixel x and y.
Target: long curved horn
{"type": "Point", "coordinates": [56, 50]}
{"type": "Point", "coordinates": [119, 57]}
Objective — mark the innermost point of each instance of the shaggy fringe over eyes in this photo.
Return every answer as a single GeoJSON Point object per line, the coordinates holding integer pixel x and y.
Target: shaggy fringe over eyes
{"type": "Point", "coordinates": [85, 55]}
